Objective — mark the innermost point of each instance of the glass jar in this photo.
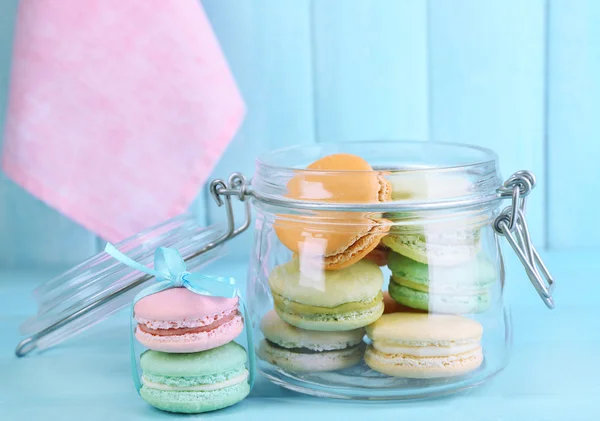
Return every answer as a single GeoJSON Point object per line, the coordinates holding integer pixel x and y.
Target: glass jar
{"type": "Point", "coordinates": [376, 271]}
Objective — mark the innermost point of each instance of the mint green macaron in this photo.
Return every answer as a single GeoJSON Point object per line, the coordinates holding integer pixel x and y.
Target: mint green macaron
{"type": "Point", "coordinates": [464, 288]}
{"type": "Point", "coordinates": [195, 382]}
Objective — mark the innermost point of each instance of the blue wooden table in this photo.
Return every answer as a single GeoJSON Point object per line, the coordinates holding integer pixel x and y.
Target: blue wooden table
{"type": "Point", "coordinates": [554, 373]}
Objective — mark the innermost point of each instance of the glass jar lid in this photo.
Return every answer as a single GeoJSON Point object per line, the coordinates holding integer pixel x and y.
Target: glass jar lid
{"type": "Point", "coordinates": [100, 286]}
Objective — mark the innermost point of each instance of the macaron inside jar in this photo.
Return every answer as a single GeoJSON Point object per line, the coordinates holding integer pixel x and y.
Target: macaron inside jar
{"type": "Point", "coordinates": [422, 346]}
{"type": "Point", "coordinates": [177, 320]}
{"type": "Point", "coordinates": [339, 239]}
{"type": "Point", "coordinates": [337, 300]}
{"type": "Point", "coordinates": [450, 240]}
{"type": "Point", "coordinates": [300, 350]}
{"type": "Point", "coordinates": [459, 289]}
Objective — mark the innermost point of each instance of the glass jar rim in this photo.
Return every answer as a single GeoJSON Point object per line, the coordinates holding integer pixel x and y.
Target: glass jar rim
{"type": "Point", "coordinates": [272, 159]}
{"type": "Point", "coordinates": [442, 175]}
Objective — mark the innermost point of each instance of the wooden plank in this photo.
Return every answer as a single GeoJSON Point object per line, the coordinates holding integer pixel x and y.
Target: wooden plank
{"type": "Point", "coordinates": [574, 126]}
{"type": "Point", "coordinates": [370, 69]}
{"type": "Point", "coordinates": [267, 45]}
{"type": "Point", "coordinates": [487, 66]}
{"type": "Point", "coordinates": [31, 234]}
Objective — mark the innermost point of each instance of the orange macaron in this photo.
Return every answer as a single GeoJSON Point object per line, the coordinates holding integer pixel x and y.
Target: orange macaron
{"type": "Point", "coordinates": [338, 239]}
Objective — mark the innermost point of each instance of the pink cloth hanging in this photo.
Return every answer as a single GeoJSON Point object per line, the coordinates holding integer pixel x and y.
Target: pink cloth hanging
{"type": "Point", "coordinates": [118, 110]}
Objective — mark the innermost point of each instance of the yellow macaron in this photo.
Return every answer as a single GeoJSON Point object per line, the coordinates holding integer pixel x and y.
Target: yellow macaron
{"type": "Point", "coordinates": [424, 345]}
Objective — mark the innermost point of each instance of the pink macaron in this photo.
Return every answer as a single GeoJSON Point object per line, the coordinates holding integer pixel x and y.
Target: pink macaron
{"type": "Point", "coordinates": [177, 320]}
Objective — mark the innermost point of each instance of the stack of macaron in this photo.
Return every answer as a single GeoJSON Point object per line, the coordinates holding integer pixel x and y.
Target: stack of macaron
{"type": "Point", "coordinates": [319, 319]}
{"type": "Point", "coordinates": [330, 293]}
{"type": "Point", "coordinates": [438, 266]}
{"type": "Point", "coordinates": [191, 364]}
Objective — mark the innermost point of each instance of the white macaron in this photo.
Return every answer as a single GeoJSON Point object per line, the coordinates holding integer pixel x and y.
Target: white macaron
{"type": "Point", "coordinates": [300, 350]}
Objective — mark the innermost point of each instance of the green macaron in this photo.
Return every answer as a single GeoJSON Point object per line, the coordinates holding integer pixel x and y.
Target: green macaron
{"type": "Point", "coordinates": [334, 300]}
{"type": "Point", "coordinates": [464, 288]}
{"type": "Point", "coordinates": [422, 249]}
{"type": "Point", "coordinates": [195, 382]}
{"type": "Point", "coordinates": [476, 275]}
{"type": "Point", "coordinates": [446, 243]}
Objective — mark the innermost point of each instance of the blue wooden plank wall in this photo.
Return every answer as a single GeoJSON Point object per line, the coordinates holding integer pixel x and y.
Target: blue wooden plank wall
{"type": "Point", "coordinates": [370, 66]}
{"type": "Point", "coordinates": [573, 123]}
{"type": "Point", "coordinates": [269, 50]}
{"type": "Point", "coordinates": [487, 86]}
{"type": "Point", "coordinates": [520, 77]}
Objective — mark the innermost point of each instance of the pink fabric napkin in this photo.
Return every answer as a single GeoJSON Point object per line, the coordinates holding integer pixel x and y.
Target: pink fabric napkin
{"type": "Point", "coordinates": [118, 110]}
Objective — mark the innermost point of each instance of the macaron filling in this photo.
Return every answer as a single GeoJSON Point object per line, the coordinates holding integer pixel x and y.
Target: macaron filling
{"type": "Point", "coordinates": [310, 360]}
{"type": "Point", "coordinates": [200, 384]}
{"type": "Point", "coordinates": [187, 322]}
{"type": "Point", "coordinates": [306, 350]}
{"type": "Point", "coordinates": [427, 349]}
{"type": "Point", "coordinates": [190, 330]}
{"type": "Point", "coordinates": [189, 381]}
{"type": "Point", "coordinates": [422, 251]}
{"type": "Point", "coordinates": [289, 306]}
{"type": "Point", "coordinates": [331, 315]}
{"type": "Point", "coordinates": [438, 237]}
{"type": "Point", "coordinates": [467, 359]}
{"type": "Point", "coordinates": [443, 303]}
{"type": "Point", "coordinates": [419, 243]}
{"type": "Point", "coordinates": [231, 327]}
{"type": "Point", "coordinates": [441, 287]}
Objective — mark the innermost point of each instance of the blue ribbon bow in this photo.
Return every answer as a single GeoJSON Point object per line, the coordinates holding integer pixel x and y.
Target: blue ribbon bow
{"type": "Point", "coordinates": [170, 271]}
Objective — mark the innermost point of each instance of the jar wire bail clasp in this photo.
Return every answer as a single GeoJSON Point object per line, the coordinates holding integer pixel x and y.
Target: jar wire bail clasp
{"type": "Point", "coordinates": [512, 224]}
{"type": "Point", "coordinates": [236, 185]}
